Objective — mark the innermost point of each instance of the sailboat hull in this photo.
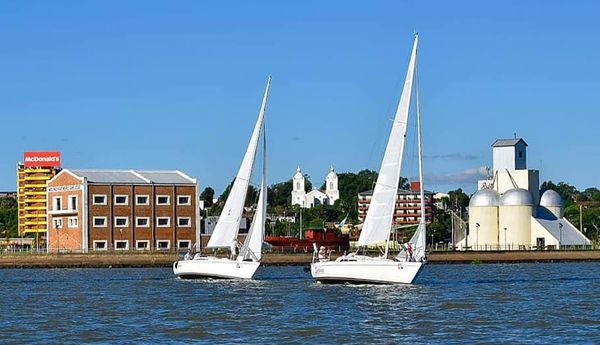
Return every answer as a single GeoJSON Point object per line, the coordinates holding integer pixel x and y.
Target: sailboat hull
{"type": "Point", "coordinates": [217, 268]}
{"type": "Point", "coordinates": [369, 271]}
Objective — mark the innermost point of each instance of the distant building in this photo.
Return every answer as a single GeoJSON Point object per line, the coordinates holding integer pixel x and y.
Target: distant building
{"type": "Point", "coordinates": [12, 195]}
{"type": "Point", "coordinates": [508, 213]}
{"type": "Point", "coordinates": [315, 197]}
{"type": "Point", "coordinates": [36, 169]}
{"type": "Point", "coordinates": [408, 205]}
{"type": "Point", "coordinates": [122, 210]}
{"type": "Point", "coordinates": [439, 200]}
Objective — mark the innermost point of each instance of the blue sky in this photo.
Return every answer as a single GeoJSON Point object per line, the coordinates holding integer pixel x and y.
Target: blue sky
{"type": "Point", "coordinates": [165, 85]}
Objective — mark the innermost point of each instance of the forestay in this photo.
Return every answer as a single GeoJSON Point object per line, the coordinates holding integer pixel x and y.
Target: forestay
{"type": "Point", "coordinates": [378, 221]}
{"type": "Point", "coordinates": [226, 230]}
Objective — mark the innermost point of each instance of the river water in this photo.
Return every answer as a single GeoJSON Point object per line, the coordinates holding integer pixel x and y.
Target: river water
{"type": "Point", "coordinates": [486, 303]}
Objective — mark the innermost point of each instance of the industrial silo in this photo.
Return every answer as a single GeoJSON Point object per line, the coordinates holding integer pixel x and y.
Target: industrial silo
{"type": "Point", "coordinates": [483, 220]}
{"type": "Point", "coordinates": [552, 201]}
{"type": "Point", "coordinates": [514, 219]}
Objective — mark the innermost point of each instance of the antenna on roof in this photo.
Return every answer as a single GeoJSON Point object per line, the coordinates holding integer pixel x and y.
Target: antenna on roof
{"type": "Point", "coordinates": [515, 133]}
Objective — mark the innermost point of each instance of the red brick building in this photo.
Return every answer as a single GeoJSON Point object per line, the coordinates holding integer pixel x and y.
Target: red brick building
{"type": "Point", "coordinates": [408, 205]}
{"type": "Point", "coordinates": [122, 210]}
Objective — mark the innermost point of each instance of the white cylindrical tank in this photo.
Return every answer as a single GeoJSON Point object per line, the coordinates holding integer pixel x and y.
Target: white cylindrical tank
{"type": "Point", "coordinates": [553, 202]}
{"type": "Point", "coordinates": [483, 220]}
{"type": "Point", "coordinates": [514, 219]}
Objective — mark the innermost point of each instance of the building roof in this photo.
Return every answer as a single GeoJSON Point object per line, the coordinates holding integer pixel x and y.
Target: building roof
{"type": "Point", "coordinates": [133, 176]}
{"type": "Point", "coordinates": [508, 142]}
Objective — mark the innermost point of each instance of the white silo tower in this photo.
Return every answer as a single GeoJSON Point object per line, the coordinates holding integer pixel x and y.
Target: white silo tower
{"type": "Point", "coordinates": [514, 219]}
{"type": "Point", "coordinates": [483, 220]}
{"type": "Point", "coordinates": [552, 201]}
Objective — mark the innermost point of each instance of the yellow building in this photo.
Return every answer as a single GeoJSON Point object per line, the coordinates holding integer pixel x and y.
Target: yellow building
{"type": "Point", "coordinates": [32, 175]}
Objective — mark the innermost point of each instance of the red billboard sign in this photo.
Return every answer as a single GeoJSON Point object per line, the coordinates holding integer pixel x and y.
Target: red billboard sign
{"type": "Point", "coordinates": [42, 159]}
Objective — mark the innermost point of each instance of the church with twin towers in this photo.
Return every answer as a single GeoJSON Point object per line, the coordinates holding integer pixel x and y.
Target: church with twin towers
{"type": "Point", "coordinates": [315, 197]}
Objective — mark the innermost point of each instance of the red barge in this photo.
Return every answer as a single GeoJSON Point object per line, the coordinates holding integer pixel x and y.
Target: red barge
{"type": "Point", "coordinates": [327, 238]}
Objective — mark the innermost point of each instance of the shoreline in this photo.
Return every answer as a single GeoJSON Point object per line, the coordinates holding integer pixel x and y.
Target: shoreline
{"type": "Point", "coordinates": [139, 260]}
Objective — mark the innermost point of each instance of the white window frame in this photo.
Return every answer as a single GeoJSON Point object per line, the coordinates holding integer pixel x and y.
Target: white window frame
{"type": "Point", "coordinates": [76, 219]}
{"type": "Point", "coordinates": [54, 203]}
{"type": "Point", "coordinates": [168, 244]}
{"type": "Point", "coordinates": [57, 223]}
{"type": "Point", "coordinates": [122, 241]}
{"type": "Point", "coordinates": [142, 195]}
{"type": "Point", "coordinates": [121, 217]}
{"type": "Point", "coordinates": [184, 241]}
{"type": "Point", "coordinates": [142, 241]}
{"type": "Point", "coordinates": [98, 195]}
{"type": "Point", "coordinates": [163, 196]}
{"type": "Point", "coordinates": [100, 241]}
{"type": "Point", "coordinates": [99, 226]}
{"type": "Point", "coordinates": [137, 225]}
{"type": "Point", "coordinates": [163, 226]}
{"type": "Point", "coordinates": [71, 197]}
{"type": "Point", "coordinates": [189, 224]}
{"type": "Point", "coordinates": [189, 200]}
{"type": "Point", "coordinates": [121, 203]}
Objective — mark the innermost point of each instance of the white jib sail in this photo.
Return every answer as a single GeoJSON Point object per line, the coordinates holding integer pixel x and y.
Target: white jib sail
{"type": "Point", "coordinates": [226, 230]}
{"type": "Point", "coordinates": [380, 214]}
{"type": "Point", "coordinates": [252, 248]}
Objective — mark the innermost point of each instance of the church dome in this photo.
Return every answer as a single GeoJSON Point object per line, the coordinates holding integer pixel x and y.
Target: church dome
{"type": "Point", "coordinates": [484, 197]}
{"type": "Point", "coordinates": [551, 198]}
{"type": "Point", "coordinates": [516, 197]}
{"type": "Point", "coordinates": [298, 174]}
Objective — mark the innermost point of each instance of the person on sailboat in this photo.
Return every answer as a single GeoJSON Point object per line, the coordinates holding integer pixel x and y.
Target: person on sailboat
{"type": "Point", "coordinates": [323, 254]}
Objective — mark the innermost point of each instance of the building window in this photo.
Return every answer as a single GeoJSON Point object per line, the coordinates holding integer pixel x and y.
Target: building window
{"type": "Point", "coordinates": [99, 222]}
{"type": "Point", "coordinates": [142, 222]}
{"type": "Point", "coordinates": [73, 202]}
{"type": "Point", "coordinates": [122, 245]}
{"type": "Point", "coordinates": [100, 245]}
{"type": "Point", "coordinates": [142, 199]}
{"type": "Point", "coordinates": [163, 200]}
{"type": "Point", "coordinates": [331, 185]}
{"type": "Point", "coordinates": [142, 245]}
{"type": "Point", "coordinates": [163, 222]}
{"type": "Point", "coordinates": [184, 200]}
{"type": "Point", "coordinates": [58, 223]}
{"type": "Point", "coordinates": [163, 245]}
{"type": "Point", "coordinates": [99, 199]}
{"type": "Point", "coordinates": [184, 222]}
{"type": "Point", "coordinates": [298, 185]}
{"type": "Point", "coordinates": [520, 154]}
{"type": "Point", "coordinates": [121, 199]}
{"type": "Point", "coordinates": [184, 244]}
{"type": "Point", "coordinates": [57, 203]}
{"type": "Point", "coordinates": [121, 221]}
{"type": "Point", "coordinates": [73, 222]}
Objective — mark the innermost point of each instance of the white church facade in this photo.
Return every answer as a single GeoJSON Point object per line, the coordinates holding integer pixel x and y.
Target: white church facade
{"type": "Point", "coordinates": [315, 197]}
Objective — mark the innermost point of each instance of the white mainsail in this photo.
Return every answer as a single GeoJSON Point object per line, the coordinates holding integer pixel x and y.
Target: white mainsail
{"type": "Point", "coordinates": [226, 230]}
{"type": "Point", "coordinates": [252, 248]}
{"type": "Point", "coordinates": [378, 222]}
{"type": "Point", "coordinates": [419, 238]}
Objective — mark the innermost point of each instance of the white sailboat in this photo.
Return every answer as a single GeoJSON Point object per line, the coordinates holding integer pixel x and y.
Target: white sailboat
{"type": "Point", "coordinates": [378, 221]}
{"type": "Point", "coordinates": [244, 264]}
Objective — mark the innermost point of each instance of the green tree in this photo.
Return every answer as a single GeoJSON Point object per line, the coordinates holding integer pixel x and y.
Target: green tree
{"type": "Point", "coordinates": [458, 200]}
{"type": "Point", "coordinates": [207, 196]}
{"type": "Point", "coordinates": [8, 218]}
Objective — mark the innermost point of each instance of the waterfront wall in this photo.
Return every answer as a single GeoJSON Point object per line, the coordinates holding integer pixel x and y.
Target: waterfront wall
{"type": "Point", "coordinates": [166, 259]}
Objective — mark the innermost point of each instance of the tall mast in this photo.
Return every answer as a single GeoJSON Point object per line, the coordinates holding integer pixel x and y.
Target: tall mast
{"type": "Point", "coordinates": [420, 140]}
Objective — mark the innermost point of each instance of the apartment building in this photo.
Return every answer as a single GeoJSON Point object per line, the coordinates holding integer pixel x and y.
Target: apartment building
{"type": "Point", "coordinates": [408, 205]}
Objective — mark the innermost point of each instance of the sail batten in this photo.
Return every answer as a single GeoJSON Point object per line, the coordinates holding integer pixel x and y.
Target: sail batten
{"type": "Point", "coordinates": [379, 218]}
{"type": "Point", "coordinates": [226, 230]}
